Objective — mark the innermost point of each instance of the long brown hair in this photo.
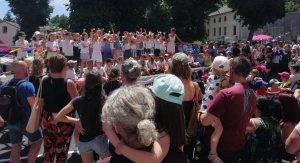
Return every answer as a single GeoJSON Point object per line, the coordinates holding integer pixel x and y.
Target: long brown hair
{"type": "Point", "coordinates": [181, 71]}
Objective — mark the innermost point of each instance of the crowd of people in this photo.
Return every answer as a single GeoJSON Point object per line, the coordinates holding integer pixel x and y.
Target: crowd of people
{"type": "Point", "coordinates": [248, 111]}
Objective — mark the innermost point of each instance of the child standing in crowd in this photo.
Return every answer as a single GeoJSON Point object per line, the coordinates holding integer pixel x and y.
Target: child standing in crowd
{"type": "Point", "coordinates": [90, 67]}
{"type": "Point", "coordinates": [21, 43]}
{"type": "Point", "coordinates": [274, 83]}
{"type": "Point", "coordinates": [96, 44]}
{"type": "Point", "coordinates": [52, 45]}
{"type": "Point", "coordinates": [108, 66]}
{"type": "Point", "coordinates": [101, 70]}
{"type": "Point", "coordinates": [151, 64]}
{"type": "Point", "coordinates": [68, 44]}
{"type": "Point", "coordinates": [119, 62]}
{"type": "Point", "coordinates": [70, 73]}
{"type": "Point", "coordinates": [216, 82]}
{"type": "Point", "coordinates": [261, 88]}
{"type": "Point", "coordinates": [85, 55]}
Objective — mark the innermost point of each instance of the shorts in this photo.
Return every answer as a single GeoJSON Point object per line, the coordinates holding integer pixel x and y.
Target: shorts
{"type": "Point", "coordinates": [85, 55]}
{"type": "Point", "coordinates": [94, 145]}
{"type": "Point", "coordinates": [140, 53]}
{"type": "Point", "coordinates": [69, 58]}
{"type": "Point", "coordinates": [148, 51]}
{"type": "Point", "coordinates": [16, 132]}
{"type": "Point", "coordinates": [162, 51]}
{"type": "Point", "coordinates": [133, 53]}
{"type": "Point", "coordinates": [156, 52]}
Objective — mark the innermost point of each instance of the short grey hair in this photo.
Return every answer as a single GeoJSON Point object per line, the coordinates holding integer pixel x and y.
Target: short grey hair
{"type": "Point", "coordinates": [131, 70]}
{"type": "Point", "coordinates": [133, 108]}
{"type": "Point", "coordinates": [37, 67]}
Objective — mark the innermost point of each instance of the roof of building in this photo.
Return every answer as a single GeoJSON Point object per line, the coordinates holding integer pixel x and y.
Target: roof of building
{"type": "Point", "coordinates": [290, 17]}
{"type": "Point", "coordinates": [11, 23]}
{"type": "Point", "coordinates": [221, 10]}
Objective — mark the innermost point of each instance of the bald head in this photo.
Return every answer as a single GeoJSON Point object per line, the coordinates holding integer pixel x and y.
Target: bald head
{"type": "Point", "coordinates": [20, 69]}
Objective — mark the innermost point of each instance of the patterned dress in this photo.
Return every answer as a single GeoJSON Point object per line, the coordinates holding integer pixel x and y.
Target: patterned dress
{"type": "Point", "coordinates": [266, 137]}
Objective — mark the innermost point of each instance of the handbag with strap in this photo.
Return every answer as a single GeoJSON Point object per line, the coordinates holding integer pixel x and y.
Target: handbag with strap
{"type": "Point", "coordinates": [193, 122]}
{"type": "Point", "coordinates": [34, 122]}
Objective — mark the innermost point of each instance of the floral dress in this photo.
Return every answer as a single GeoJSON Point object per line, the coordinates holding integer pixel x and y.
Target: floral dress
{"type": "Point", "coordinates": [266, 137]}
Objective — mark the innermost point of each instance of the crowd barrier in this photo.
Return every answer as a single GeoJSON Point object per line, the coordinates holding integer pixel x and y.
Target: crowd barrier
{"type": "Point", "coordinates": [146, 81]}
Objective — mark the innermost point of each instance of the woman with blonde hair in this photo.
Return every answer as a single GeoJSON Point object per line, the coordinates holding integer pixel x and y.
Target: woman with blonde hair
{"type": "Point", "coordinates": [37, 72]}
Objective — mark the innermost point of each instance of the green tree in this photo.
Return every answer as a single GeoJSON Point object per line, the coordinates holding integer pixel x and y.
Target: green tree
{"type": "Point", "coordinates": [60, 21]}
{"type": "Point", "coordinates": [30, 14]}
{"type": "Point", "coordinates": [292, 5]}
{"type": "Point", "coordinates": [8, 17]}
{"type": "Point", "coordinates": [257, 13]}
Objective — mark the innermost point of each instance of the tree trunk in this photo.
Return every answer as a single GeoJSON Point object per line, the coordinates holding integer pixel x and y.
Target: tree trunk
{"type": "Point", "coordinates": [251, 33]}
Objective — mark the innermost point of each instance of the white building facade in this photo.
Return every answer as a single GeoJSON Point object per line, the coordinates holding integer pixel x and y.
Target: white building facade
{"type": "Point", "coordinates": [7, 31]}
{"type": "Point", "coordinates": [223, 25]}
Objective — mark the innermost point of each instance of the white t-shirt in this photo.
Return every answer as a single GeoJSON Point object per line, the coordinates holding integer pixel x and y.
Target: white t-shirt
{"type": "Point", "coordinates": [52, 45]}
{"type": "Point", "coordinates": [85, 43]}
{"type": "Point", "coordinates": [100, 70]}
{"type": "Point", "coordinates": [159, 64]}
{"type": "Point", "coordinates": [118, 66]}
{"type": "Point", "coordinates": [163, 46]}
{"type": "Point", "coordinates": [190, 59]}
{"type": "Point", "coordinates": [86, 70]}
{"type": "Point", "coordinates": [70, 74]}
{"type": "Point", "coordinates": [149, 44]}
{"type": "Point", "coordinates": [157, 44]}
{"type": "Point", "coordinates": [67, 47]}
{"type": "Point", "coordinates": [21, 54]}
{"type": "Point", "coordinates": [107, 69]}
{"type": "Point", "coordinates": [151, 66]}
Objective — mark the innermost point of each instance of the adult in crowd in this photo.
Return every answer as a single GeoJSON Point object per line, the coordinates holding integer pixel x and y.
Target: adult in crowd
{"type": "Point", "coordinates": [138, 131]}
{"type": "Point", "coordinates": [263, 132]}
{"type": "Point", "coordinates": [234, 106]}
{"type": "Point", "coordinates": [89, 107]}
{"type": "Point", "coordinates": [291, 117]}
{"type": "Point", "coordinates": [168, 93]}
{"type": "Point", "coordinates": [57, 92]}
{"type": "Point", "coordinates": [130, 72]}
{"type": "Point", "coordinates": [180, 68]}
{"type": "Point", "coordinates": [292, 144]}
{"type": "Point", "coordinates": [16, 129]}
{"type": "Point", "coordinates": [37, 72]}
{"type": "Point", "coordinates": [235, 50]}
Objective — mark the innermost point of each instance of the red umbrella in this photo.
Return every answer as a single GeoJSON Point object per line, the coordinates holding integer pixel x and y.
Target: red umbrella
{"type": "Point", "coordinates": [261, 37]}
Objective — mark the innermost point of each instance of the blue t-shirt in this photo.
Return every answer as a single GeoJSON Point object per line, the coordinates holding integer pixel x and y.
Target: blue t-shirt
{"type": "Point", "coordinates": [26, 89]}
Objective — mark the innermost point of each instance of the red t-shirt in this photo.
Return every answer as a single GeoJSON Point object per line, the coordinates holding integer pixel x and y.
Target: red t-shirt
{"type": "Point", "coordinates": [229, 105]}
{"type": "Point", "coordinates": [261, 92]}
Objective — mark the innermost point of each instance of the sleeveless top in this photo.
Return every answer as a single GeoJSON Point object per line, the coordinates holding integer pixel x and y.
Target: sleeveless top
{"type": "Point", "coordinates": [55, 94]}
{"type": "Point", "coordinates": [263, 139]}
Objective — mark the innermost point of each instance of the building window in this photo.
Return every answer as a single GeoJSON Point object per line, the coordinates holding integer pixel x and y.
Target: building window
{"type": "Point", "coordinates": [219, 19]}
{"type": "Point", "coordinates": [234, 30]}
{"type": "Point", "coordinates": [207, 32]}
{"type": "Point", "coordinates": [4, 29]}
{"type": "Point", "coordinates": [214, 31]}
{"type": "Point", "coordinates": [234, 17]}
{"type": "Point", "coordinates": [214, 20]}
{"type": "Point", "coordinates": [220, 32]}
{"type": "Point", "coordinates": [225, 18]}
{"type": "Point", "coordinates": [225, 31]}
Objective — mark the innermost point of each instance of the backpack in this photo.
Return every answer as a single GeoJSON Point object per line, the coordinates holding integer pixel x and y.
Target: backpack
{"type": "Point", "coordinates": [10, 109]}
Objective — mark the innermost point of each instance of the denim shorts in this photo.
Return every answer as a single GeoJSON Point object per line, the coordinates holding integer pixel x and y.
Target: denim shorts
{"type": "Point", "coordinates": [93, 145]}
{"type": "Point", "coordinates": [16, 132]}
{"type": "Point", "coordinates": [85, 55]}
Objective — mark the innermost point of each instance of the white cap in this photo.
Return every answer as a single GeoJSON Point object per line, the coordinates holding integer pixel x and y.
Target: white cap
{"type": "Point", "coordinates": [37, 33]}
{"type": "Point", "coordinates": [221, 63]}
{"type": "Point", "coordinates": [295, 47]}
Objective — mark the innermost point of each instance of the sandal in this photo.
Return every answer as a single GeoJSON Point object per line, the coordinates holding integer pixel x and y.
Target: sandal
{"type": "Point", "coordinates": [214, 158]}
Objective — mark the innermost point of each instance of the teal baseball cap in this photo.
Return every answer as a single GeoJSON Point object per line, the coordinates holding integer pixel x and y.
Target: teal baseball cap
{"type": "Point", "coordinates": [169, 88]}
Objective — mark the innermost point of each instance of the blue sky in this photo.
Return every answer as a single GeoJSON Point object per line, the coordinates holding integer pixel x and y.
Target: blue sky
{"type": "Point", "coordinates": [58, 5]}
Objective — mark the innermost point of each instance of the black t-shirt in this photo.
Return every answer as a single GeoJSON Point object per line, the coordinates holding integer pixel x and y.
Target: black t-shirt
{"type": "Point", "coordinates": [111, 86]}
{"type": "Point", "coordinates": [79, 104]}
{"type": "Point", "coordinates": [236, 52]}
{"type": "Point", "coordinates": [269, 65]}
{"type": "Point", "coordinates": [35, 82]}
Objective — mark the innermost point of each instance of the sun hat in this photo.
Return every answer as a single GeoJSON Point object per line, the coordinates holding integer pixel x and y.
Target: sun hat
{"type": "Point", "coordinates": [180, 58]}
{"type": "Point", "coordinates": [21, 33]}
{"type": "Point", "coordinates": [285, 75]}
{"type": "Point", "coordinates": [221, 63]}
{"type": "Point", "coordinates": [274, 81]}
{"type": "Point", "coordinates": [260, 82]}
{"type": "Point", "coordinates": [71, 62]}
{"type": "Point", "coordinates": [295, 47]}
{"type": "Point", "coordinates": [169, 88]}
